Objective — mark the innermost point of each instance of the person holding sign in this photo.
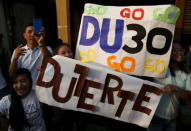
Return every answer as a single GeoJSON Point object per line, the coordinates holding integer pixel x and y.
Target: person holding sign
{"type": "Point", "coordinates": [177, 87]}
{"type": "Point", "coordinates": [82, 120]}
{"type": "Point", "coordinates": [62, 120]}
{"type": "Point", "coordinates": [65, 115]}
{"type": "Point", "coordinates": [22, 107]}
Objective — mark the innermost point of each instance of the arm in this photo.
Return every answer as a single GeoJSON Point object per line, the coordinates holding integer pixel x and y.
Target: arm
{"type": "Point", "coordinates": [3, 106]}
{"type": "Point", "coordinates": [16, 54]}
{"type": "Point", "coordinates": [184, 94]}
{"type": "Point", "coordinates": [12, 67]}
{"type": "Point", "coordinates": [43, 48]}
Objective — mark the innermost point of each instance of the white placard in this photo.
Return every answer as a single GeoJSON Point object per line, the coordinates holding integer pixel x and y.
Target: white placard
{"type": "Point", "coordinates": [134, 39]}
{"type": "Point", "coordinates": [74, 85]}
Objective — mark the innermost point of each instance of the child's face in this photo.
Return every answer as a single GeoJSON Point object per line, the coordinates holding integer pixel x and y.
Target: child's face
{"type": "Point", "coordinates": [22, 85]}
{"type": "Point", "coordinates": [65, 51]}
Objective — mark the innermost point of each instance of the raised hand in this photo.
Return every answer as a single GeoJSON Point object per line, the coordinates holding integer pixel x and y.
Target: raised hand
{"type": "Point", "coordinates": [41, 36]}
{"type": "Point", "coordinates": [19, 51]}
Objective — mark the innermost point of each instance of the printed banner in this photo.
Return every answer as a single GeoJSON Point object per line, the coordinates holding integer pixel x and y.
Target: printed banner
{"type": "Point", "coordinates": [78, 86]}
{"type": "Point", "coordinates": [134, 39]}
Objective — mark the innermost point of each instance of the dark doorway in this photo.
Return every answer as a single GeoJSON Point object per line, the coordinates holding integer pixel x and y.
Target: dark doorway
{"type": "Point", "coordinates": [21, 12]}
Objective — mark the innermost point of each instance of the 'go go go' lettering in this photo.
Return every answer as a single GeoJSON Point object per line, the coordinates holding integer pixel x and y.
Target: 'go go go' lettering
{"type": "Point", "coordinates": [170, 15]}
{"type": "Point", "coordinates": [99, 10]}
{"type": "Point", "coordinates": [121, 65]}
{"type": "Point", "coordinates": [87, 56]}
{"type": "Point", "coordinates": [157, 66]}
{"type": "Point", "coordinates": [126, 13]}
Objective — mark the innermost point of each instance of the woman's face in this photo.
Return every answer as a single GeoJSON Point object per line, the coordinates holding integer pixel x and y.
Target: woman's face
{"type": "Point", "coordinates": [65, 51]}
{"type": "Point", "coordinates": [22, 85]}
{"type": "Point", "coordinates": [177, 53]}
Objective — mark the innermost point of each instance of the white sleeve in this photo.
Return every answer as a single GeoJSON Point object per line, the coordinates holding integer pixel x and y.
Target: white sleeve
{"type": "Point", "coordinates": [4, 105]}
{"type": "Point", "coordinates": [188, 82]}
{"type": "Point", "coordinates": [50, 49]}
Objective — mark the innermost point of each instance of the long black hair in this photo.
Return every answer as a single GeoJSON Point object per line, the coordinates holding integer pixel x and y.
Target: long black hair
{"type": "Point", "coordinates": [181, 65]}
{"type": "Point", "coordinates": [17, 117]}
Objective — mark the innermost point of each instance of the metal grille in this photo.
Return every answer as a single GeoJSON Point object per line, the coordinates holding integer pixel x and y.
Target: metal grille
{"type": "Point", "coordinates": [187, 15]}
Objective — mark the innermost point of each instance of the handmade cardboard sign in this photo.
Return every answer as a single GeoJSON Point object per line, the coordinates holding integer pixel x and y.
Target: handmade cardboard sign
{"type": "Point", "coordinates": [134, 39]}
{"type": "Point", "coordinates": [74, 85]}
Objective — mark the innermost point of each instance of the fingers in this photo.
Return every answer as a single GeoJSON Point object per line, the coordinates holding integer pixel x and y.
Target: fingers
{"type": "Point", "coordinates": [19, 46]}
{"type": "Point", "coordinates": [42, 32]}
{"type": "Point", "coordinates": [168, 88]}
{"type": "Point", "coordinates": [19, 51]}
{"type": "Point", "coordinates": [42, 29]}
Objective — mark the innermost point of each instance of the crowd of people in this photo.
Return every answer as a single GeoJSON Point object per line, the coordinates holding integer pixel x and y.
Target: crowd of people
{"type": "Point", "coordinates": [22, 110]}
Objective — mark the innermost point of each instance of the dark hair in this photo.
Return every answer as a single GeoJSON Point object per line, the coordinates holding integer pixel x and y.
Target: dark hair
{"type": "Point", "coordinates": [17, 117]}
{"type": "Point", "coordinates": [181, 65]}
{"type": "Point", "coordinates": [59, 46]}
{"type": "Point", "coordinates": [27, 25]}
